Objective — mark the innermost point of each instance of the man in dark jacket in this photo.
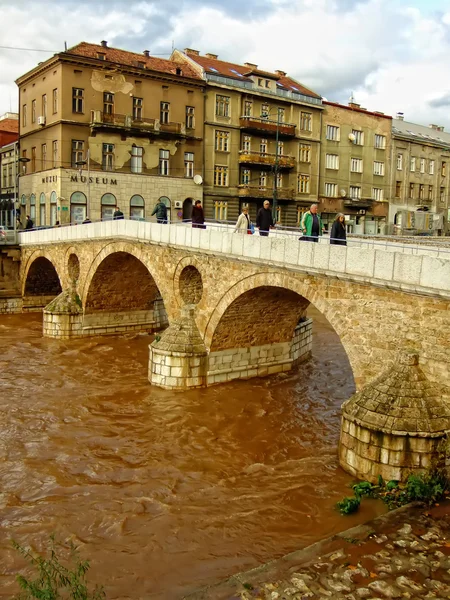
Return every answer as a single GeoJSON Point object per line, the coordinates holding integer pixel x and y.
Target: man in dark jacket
{"type": "Point", "coordinates": [264, 219]}
{"type": "Point", "coordinates": [118, 214]}
{"type": "Point", "coordinates": [29, 223]}
{"type": "Point", "coordinates": [198, 216]}
{"type": "Point", "coordinates": [160, 211]}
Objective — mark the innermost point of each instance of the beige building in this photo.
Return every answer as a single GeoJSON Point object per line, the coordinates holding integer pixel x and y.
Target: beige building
{"type": "Point", "coordinates": [262, 138]}
{"type": "Point", "coordinates": [102, 127]}
{"type": "Point", "coordinates": [355, 166]}
{"type": "Point", "coordinates": [420, 178]}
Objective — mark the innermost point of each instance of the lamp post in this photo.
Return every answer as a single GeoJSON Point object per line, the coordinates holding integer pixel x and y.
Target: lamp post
{"type": "Point", "coordinates": [17, 159]}
{"type": "Point", "coordinates": [81, 163]}
{"type": "Point", "coordinates": [275, 170]}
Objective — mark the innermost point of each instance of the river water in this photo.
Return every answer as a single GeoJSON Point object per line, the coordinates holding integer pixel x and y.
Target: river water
{"type": "Point", "coordinates": [164, 492]}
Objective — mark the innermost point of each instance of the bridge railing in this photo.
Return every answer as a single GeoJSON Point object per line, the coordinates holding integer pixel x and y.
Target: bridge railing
{"type": "Point", "coordinates": [425, 269]}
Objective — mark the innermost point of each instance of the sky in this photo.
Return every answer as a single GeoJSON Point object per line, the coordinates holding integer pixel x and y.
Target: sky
{"type": "Point", "coordinates": [392, 55]}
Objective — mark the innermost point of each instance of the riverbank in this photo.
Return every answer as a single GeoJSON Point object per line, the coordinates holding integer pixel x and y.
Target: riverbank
{"type": "Point", "coordinates": [402, 554]}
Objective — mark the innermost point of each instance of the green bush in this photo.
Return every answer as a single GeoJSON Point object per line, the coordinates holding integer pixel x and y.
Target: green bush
{"type": "Point", "coordinates": [348, 505]}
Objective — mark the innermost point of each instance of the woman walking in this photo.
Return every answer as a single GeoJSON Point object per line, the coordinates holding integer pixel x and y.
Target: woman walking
{"type": "Point", "coordinates": [198, 216]}
{"type": "Point", "coordinates": [338, 235]}
{"type": "Point", "coordinates": [243, 222]}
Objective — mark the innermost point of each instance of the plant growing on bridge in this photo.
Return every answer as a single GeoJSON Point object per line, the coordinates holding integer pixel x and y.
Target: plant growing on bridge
{"type": "Point", "coordinates": [54, 580]}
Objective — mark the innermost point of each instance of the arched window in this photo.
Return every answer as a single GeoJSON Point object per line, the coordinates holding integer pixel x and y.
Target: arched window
{"type": "Point", "coordinates": [33, 207]}
{"type": "Point", "coordinates": [42, 209]}
{"type": "Point", "coordinates": [77, 207]}
{"type": "Point", "coordinates": [137, 208]}
{"type": "Point", "coordinates": [23, 200]}
{"type": "Point", "coordinates": [53, 209]}
{"type": "Point", "coordinates": [108, 206]}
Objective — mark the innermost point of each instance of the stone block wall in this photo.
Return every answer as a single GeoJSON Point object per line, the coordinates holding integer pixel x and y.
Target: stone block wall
{"type": "Point", "coordinates": [36, 303]}
{"type": "Point", "coordinates": [171, 370]}
{"type": "Point", "coordinates": [302, 342]}
{"type": "Point", "coordinates": [368, 454]}
{"type": "Point", "coordinates": [10, 305]}
{"type": "Point", "coordinates": [103, 323]}
{"type": "Point", "coordinates": [62, 326]}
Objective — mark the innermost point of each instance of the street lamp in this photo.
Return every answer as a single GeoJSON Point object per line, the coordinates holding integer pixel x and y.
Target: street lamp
{"type": "Point", "coordinates": [17, 159]}
{"type": "Point", "coordinates": [81, 163]}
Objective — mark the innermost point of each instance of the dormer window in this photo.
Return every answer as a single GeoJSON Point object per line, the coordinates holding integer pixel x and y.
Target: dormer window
{"type": "Point", "coordinates": [267, 83]}
{"type": "Point", "coordinates": [101, 55]}
{"type": "Point", "coordinates": [261, 82]}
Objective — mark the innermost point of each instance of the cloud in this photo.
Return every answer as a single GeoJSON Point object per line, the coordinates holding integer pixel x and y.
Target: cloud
{"type": "Point", "coordinates": [391, 54]}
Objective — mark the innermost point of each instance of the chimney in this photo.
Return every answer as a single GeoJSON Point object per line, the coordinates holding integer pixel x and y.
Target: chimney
{"type": "Point", "coordinates": [400, 116]}
{"type": "Point", "coordinates": [104, 43]}
{"type": "Point", "coordinates": [354, 105]}
{"type": "Point", "coordinates": [250, 65]}
{"type": "Point", "coordinates": [213, 56]}
{"type": "Point", "coordinates": [147, 53]}
{"type": "Point", "coordinates": [280, 73]}
{"type": "Point", "coordinates": [191, 51]}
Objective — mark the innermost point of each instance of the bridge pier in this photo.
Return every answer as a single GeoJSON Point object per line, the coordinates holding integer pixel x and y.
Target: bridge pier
{"type": "Point", "coordinates": [63, 317]}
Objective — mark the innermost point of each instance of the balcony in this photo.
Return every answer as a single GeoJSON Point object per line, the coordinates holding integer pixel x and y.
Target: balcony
{"type": "Point", "coordinates": [248, 191]}
{"type": "Point", "coordinates": [262, 158]}
{"type": "Point", "coordinates": [358, 202]}
{"type": "Point", "coordinates": [174, 128]}
{"type": "Point", "coordinates": [261, 125]}
{"type": "Point", "coordinates": [102, 120]}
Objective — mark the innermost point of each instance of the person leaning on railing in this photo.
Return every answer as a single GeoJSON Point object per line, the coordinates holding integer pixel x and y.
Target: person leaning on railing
{"type": "Point", "coordinates": [338, 235]}
{"type": "Point", "coordinates": [311, 225]}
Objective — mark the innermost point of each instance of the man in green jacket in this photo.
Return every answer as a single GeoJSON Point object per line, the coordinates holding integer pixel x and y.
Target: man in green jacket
{"type": "Point", "coordinates": [311, 225]}
{"type": "Point", "coordinates": [160, 211]}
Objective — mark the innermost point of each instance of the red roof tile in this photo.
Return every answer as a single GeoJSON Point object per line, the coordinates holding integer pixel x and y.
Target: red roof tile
{"type": "Point", "coordinates": [124, 57]}
{"type": "Point", "coordinates": [241, 72]}
{"type": "Point", "coordinates": [9, 125]}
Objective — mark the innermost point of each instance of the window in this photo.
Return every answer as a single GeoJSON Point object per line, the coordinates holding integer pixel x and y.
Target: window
{"type": "Point", "coordinates": [281, 115]}
{"type": "Point", "coordinates": [248, 106]}
{"type": "Point", "coordinates": [431, 167]}
{"type": "Point", "coordinates": [138, 104]}
{"type": "Point", "coordinates": [267, 83]}
{"type": "Point", "coordinates": [24, 166]}
{"type": "Point", "coordinates": [77, 152]}
{"type": "Point", "coordinates": [279, 180]}
{"type": "Point", "coordinates": [280, 148]}
{"type": "Point", "coordinates": [359, 137]}
{"type": "Point", "coordinates": [442, 195]}
{"type": "Point", "coordinates": [356, 165]}
{"type": "Point", "coordinates": [422, 165]}
{"type": "Point", "coordinates": [137, 153]}
{"type": "Point", "coordinates": [412, 165]}
{"type": "Point", "coordinates": [53, 209]}
{"type": "Point", "coordinates": [55, 101]}
{"type": "Point", "coordinates": [108, 204]}
{"type": "Point", "coordinates": [33, 111]}
{"type": "Point", "coordinates": [305, 121]}
{"type": "Point", "coordinates": [412, 190]}
{"type": "Point", "coordinates": [263, 146]}
{"type": "Point", "coordinates": [44, 156]}
{"type": "Point", "coordinates": [377, 194]}
{"type": "Point", "coordinates": [398, 188]}
{"type": "Point", "coordinates": [355, 192]}
{"type": "Point", "coordinates": [264, 111]}
{"type": "Point", "coordinates": [399, 162]}
{"type": "Point", "coordinates": [108, 103]}
{"type": "Point", "coordinates": [246, 143]}
{"type": "Point", "coordinates": [378, 168]}
{"type": "Point", "coordinates": [222, 140]}
{"type": "Point", "coordinates": [137, 208]}
{"type": "Point", "coordinates": [78, 204]}
{"type": "Point", "coordinates": [303, 183]}
{"type": "Point", "coordinates": [220, 210]}
{"type": "Point", "coordinates": [245, 177]}
{"type": "Point", "coordinates": [305, 153]}
{"type": "Point", "coordinates": [260, 82]}
{"type": "Point", "coordinates": [33, 207]}
{"type": "Point", "coordinates": [108, 157]}
{"type": "Point", "coordinates": [33, 159]}
{"type": "Point", "coordinates": [263, 179]}
{"type": "Point", "coordinates": [190, 117]}
{"type": "Point", "coordinates": [430, 192]}
{"type": "Point", "coordinates": [164, 162]}
{"type": "Point", "coordinates": [220, 175]}
{"type": "Point", "coordinates": [421, 191]}
{"type": "Point", "coordinates": [333, 133]}
{"type": "Point", "coordinates": [443, 169]}
{"type": "Point", "coordinates": [24, 115]}
{"type": "Point", "coordinates": [331, 190]}
{"type": "Point", "coordinates": [189, 164]}
{"type": "Point", "coordinates": [222, 106]}
{"type": "Point", "coordinates": [42, 209]}
{"type": "Point", "coordinates": [164, 113]}
{"type": "Point", "coordinates": [5, 177]}
{"type": "Point", "coordinates": [380, 142]}
{"type": "Point", "coordinates": [332, 161]}
{"type": "Point", "coordinates": [44, 105]}
{"type": "Point", "coordinates": [54, 153]}
{"type": "Point", "coordinates": [77, 100]}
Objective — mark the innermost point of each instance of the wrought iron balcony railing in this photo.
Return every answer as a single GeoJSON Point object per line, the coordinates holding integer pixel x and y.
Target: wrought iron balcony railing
{"type": "Point", "coordinates": [264, 158]}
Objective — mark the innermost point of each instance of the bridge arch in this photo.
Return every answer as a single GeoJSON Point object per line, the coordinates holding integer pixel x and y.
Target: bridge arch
{"type": "Point", "coordinates": [41, 276]}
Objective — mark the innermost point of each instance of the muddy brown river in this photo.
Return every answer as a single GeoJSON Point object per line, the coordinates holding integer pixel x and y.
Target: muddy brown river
{"type": "Point", "coordinates": [165, 492]}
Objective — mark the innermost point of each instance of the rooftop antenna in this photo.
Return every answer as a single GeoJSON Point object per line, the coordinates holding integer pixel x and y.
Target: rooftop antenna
{"type": "Point", "coordinates": [352, 98]}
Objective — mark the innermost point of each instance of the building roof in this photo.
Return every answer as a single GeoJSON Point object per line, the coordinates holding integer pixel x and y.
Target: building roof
{"type": "Point", "coordinates": [214, 66]}
{"type": "Point", "coordinates": [357, 108]}
{"type": "Point", "coordinates": [132, 59]}
{"type": "Point", "coordinates": [9, 125]}
{"type": "Point", "coordinates": [420, 133]}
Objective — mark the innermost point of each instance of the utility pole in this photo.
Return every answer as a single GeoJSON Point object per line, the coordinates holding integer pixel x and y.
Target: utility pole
{"type": "Point", "coordinates": [275, 169]}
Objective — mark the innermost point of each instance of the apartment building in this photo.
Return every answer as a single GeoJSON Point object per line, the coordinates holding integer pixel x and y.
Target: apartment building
{"type": "Point", "coordinates": [9, 128]}
{"type": "Point", "coordinates": [261, 138]}
{"type": "Point", "coordinates": [420, 178]}
{"type": "Point", "coordinates": [102, 127]}
{"type": "Point", "coordinates": [355, 167]}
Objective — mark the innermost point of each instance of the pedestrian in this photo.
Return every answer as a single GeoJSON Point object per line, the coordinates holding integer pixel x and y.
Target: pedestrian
{"type": "Point", "coordinates": [338, 235]}
{"type": "Point", "coordinates": [243, 224]}
{"type": "Point", "coordinates": [311, 225]}
{"type": "Point", "coordinates": [19, 225]}
{"type": "Point", "coordinates": [198, 216]}
{"type": "Point", "coordinates": [87, 220]}
{"type": "Point", "coordinates": [118, 214]}
{"type": "Point", "coordinates": [160, 211]}
{"type": "Point", "coordinates": [264, 219]}
{"type": "Point", "coordinates": [29, 223]}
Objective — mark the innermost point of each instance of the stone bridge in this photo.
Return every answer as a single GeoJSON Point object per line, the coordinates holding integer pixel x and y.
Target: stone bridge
{"type": "Point", "coordinates": [235, 306]}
